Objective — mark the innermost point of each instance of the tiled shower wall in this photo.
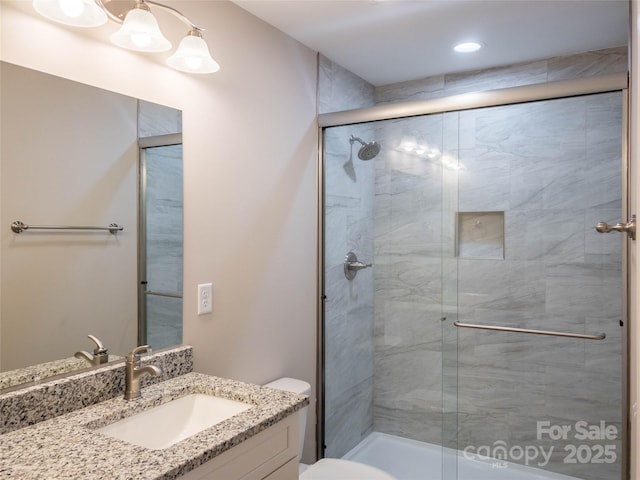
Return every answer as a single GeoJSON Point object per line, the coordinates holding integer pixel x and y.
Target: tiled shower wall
{"type": "Point", "coordinates": [411, 379]}
{"type": "Point", "coordinates": [553, 170]}
{"type": "Point", "coordinates": [349, 196]}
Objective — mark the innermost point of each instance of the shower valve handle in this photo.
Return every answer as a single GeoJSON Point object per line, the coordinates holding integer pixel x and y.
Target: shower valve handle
{"type": "Point", "coordinates": [357, 265]}
{"type": "Point", "coordinates": [352, 265]}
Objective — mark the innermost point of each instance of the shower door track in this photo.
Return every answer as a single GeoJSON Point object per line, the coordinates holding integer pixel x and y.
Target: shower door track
{"type": "Point", "coordinates": [468, 101]}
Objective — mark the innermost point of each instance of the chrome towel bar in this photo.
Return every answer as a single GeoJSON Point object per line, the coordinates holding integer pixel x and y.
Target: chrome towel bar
{"type": "Point", "coordinates": [599, 336]}
{"type": "Point", "coordinates": [163, 294]}
{"type": "Point", "coordinates": [19, 227]}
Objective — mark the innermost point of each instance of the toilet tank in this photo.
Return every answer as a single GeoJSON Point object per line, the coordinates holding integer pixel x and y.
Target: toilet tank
{"type": "Point", "coordinates": [296, 386]}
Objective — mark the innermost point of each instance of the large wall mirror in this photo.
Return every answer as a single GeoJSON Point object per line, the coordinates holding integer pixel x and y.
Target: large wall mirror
{"type": "Point", "coordinates": [75, 155]}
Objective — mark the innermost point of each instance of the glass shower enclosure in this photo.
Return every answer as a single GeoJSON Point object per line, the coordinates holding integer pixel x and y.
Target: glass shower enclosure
{"type": "Point", "coordinates": [161, 241]}
{"type": "Point", "coordinates": [487, 338]}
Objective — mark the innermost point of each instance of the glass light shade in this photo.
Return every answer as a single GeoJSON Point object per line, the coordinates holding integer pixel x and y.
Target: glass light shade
{"type": "Point", "coordinates": [76, 13]}
{"type": "Point", "coordinates": [192, 56]}
{"type": "Point", "coordinates": [140, 32]}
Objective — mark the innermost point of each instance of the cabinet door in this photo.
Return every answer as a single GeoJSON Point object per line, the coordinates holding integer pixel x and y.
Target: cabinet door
{"type": "Point", "coordinates": [257, 458]}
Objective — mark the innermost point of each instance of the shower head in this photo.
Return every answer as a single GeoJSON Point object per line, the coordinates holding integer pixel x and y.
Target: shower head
{"type": "Point", "coordinates": [368, 150]}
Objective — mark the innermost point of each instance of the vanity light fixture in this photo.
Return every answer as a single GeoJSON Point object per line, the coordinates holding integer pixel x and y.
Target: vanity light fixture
{"type": "Point", "coordinates": [139, 30]}
{"type": "Point", "coordinates": [467, 47]}
{"type": "Point", "coordinates": [75, 13]}
{"type": "Point", "coordinates": [193, 55]}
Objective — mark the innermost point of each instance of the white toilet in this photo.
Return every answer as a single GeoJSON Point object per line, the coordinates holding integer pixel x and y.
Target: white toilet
{"type": "Point", "coordinates": [326, 468]}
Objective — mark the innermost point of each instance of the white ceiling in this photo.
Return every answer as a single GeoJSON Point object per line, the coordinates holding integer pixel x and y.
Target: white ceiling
{"type": "Point", "coordinates": [388, 41]}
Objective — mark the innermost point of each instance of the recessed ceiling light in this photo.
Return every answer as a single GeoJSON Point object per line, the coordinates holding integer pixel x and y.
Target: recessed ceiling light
{"type": "Point", "coordinates": [467, 47]}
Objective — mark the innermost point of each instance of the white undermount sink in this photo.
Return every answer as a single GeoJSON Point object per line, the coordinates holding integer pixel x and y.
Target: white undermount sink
{"type": "Point", "coordinates": [167, 424]}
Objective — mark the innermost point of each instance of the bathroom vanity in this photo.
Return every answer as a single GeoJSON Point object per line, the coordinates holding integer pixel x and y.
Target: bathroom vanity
{"type": "Point", "coordinates": [260, 442]}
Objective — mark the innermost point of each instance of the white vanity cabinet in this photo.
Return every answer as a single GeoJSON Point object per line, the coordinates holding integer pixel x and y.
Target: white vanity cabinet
{"type": "Point", "coordinates": [270, 455]}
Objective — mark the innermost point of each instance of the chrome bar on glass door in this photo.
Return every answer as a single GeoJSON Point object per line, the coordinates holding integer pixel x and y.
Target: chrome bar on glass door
{"type": "Point", "coordinates": [163, 294]}
{"type": "Point", "coordinates": [19, 227]}
{"type": "Point", "coordinates": [598, 336]}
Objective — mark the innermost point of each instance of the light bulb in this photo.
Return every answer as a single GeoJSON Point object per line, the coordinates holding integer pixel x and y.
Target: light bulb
{"type": "Point", "coordinates": [76, 13]}
{"type": "Point", "coordinates": [72, 8]}
{"type": "Point", "coordinates": [140, 40]}
{"type": "Point", "coordinates": [194, 63]}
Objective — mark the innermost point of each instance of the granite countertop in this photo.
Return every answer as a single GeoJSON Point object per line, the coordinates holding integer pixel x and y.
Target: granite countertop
{"type": "Point", "coordinates": [68, 447]}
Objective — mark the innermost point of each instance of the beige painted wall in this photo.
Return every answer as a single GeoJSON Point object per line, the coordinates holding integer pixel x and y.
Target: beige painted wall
{"type": "Point", "coordinates": [250, 144]}
{"type": "Point", "coordinates": [68, 158]}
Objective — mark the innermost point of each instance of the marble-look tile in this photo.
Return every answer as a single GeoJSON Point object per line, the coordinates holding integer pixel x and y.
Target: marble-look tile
{"type": "Point", "coordinates": [408, 278]}
{"type": "Point", "coordinates": [511, 286]}
{"type": "Point", "coordinates": [407, 394]}
{"type": "Point", "coordinates": [410, 91]}
{"type": "Point", "coordinates": [339, 89]}
{"type": "Point", "coordinates": [164, 220]}
{"type": "Point", "coordinates": [553, 168]}
{"type": "Point", "coordinates": [421, 424]}
{"type": "Point", "coordinates": [349, 320]}
{"type": "Point", "coordinates": [604, 149]}
{"type": "Point", "coordinates": [536, 130]}
{"type": "Point", "coordinates": [402, 325]}
{"type": "Point", "coordinates": [483, 181]}
{"type": "Point", "coordinates": [563, 236]}
{"type": "Point", "coordinates": [349, 419]}
{"type": "Point", "coordinates": [498, 77]}
{"type": "Point", "coordinates": [579, 289]}
{"type": "Point", "coordinates": [401, 382]}
{"type": "Point", "coordinates": [154, 119]}
{"type": "Point", "coordinates": [523, 230]}
{"type": "Point", "coordinates": [348, 354]}
{"type": "Point", "coordinates": [410, 232]}
{"type": "Point", "coordinates": [164, 321]}
{"type": "Point", "coordinates": [601, 62]}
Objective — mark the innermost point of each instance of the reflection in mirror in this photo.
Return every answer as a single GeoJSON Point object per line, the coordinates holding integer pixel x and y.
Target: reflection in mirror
{"type": "Point", "coordinates": [70, 156]}
{"type": "Point", "coordinates": [160, 230]}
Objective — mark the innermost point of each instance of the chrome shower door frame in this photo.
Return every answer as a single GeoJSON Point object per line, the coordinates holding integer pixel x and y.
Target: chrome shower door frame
{"type": "Point", "coordinates": [456, 103]}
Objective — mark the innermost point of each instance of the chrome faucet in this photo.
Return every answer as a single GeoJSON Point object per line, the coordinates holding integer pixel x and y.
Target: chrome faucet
{"type": "Point", "coordinates": [133, 371]}
{"type": "Point", "coordinates": [99, 356]}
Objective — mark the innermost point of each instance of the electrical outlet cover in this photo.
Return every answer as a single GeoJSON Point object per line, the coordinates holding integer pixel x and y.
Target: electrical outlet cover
{"type": "Point", "coordinates": [204, 298]}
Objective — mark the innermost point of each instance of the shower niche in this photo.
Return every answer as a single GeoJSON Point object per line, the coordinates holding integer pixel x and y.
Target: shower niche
{"type": "Point", "coordinates": [480, 235]}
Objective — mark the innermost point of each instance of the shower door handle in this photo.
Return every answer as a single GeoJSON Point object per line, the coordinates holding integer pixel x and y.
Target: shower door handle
{"type": "Point", "coordinates": [629, 227]}
{"type": "Point", "coordinates": [552, 333]}
{"type": "Point", "coordinates": [352, 265]}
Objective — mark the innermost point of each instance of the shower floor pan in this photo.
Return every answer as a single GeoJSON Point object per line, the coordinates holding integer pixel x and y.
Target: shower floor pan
{"type": "Point", "coordinates": [412, 460]}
